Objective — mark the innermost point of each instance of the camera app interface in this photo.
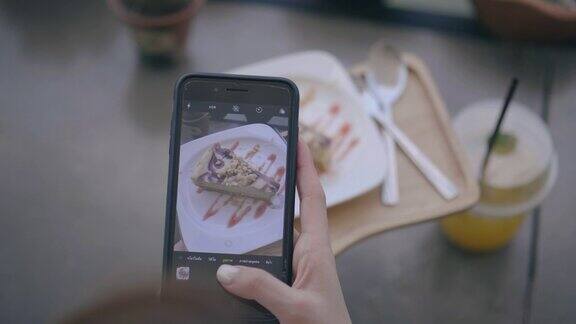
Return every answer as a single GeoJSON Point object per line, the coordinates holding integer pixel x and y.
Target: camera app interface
{"type": "Point", "coordinates": [231, 188]}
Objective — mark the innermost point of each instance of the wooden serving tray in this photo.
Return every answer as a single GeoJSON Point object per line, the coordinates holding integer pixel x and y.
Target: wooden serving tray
{"type": "Point", "coordinates": [421, 114]}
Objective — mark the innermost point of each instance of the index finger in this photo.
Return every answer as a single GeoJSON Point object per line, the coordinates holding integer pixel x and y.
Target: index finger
{"type": "Point", "coordinates": [312, 199]}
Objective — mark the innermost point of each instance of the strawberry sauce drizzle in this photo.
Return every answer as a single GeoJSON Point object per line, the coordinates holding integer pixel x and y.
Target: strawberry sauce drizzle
{"type": "Point", "coordinates": [238, 215]}
{"type": "Point", "coordinates": [214, 208]}
{"type": "Point", "coordinates": [335, 109]}
{"type": "Point", "coordinates": [261, 209]}
{"type": "Point", "coordinates": [279, 173]}
{"type": "Point", "coordinates": [355, 141]}
{"type": "Point", "coordinates": [251, 152]}
{"type": "Point", "coordinates": [341, 136]}
{"type": "Point", "coordinates": [271, 158]}
{"type": "Point", "coordinates": [325, 121]}
{"type": "Point", "coordinates": [234, 146]}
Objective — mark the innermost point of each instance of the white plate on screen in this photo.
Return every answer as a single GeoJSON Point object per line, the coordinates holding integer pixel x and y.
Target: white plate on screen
{"type": "Point", "coordinates": [261, 223]}
{"type": "Point", "coordinates": [359, 160]}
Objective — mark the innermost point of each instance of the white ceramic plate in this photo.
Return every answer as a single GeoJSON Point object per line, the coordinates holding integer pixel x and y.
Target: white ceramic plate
{"type": "Point", "coordinates": [363, 167]}
{"type": "Point", "coordinates": [261, 224]}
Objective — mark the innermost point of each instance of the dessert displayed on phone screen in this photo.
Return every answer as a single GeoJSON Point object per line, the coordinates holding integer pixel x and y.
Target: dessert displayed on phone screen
{"type": "Point", "coordinates": [231, 179]}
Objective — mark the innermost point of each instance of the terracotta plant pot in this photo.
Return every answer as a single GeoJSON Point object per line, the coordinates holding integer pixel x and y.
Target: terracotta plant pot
{"type": "Point", "coordinates": [528, 19]}
{"type": "Point", "coordinates": [160, 37]}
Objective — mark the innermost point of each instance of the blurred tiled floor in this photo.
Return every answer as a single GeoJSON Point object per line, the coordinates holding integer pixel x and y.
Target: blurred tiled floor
{"type": "Point", "coordinates": [83, 153]}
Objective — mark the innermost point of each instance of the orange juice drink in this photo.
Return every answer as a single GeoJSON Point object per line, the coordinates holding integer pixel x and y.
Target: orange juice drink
{"type": "Point", "coordinates": [520, 173]}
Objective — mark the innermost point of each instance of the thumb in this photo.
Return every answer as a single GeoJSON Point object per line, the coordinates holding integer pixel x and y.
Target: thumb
{"type": "Point", "coordinates": [257, 284]}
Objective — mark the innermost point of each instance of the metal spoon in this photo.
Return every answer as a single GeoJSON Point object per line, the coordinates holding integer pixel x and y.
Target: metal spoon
{"type": "Point", "coordinates": [387, 78]}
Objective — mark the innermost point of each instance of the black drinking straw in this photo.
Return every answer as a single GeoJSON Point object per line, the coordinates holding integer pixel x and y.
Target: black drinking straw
{"type": "Point", "coordinates": [492, 140]}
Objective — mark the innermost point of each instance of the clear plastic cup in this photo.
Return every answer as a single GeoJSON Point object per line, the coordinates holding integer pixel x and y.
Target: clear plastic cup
{"type": "Point", "coordinates": [521, 172]}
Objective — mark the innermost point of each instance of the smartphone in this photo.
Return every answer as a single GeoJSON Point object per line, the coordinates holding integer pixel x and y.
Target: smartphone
{"type": "Point", "coordinates": [231, 184]}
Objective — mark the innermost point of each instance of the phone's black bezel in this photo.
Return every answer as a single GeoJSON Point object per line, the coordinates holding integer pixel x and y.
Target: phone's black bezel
{"type": "Point", "coordinates": [174, 151]}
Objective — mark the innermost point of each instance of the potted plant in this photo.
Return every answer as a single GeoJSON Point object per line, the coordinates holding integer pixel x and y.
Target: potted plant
{"type": "Point", "coordinates": [159, 27]}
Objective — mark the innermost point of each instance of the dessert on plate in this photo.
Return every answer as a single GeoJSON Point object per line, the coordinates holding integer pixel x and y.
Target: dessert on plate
{"type": "Point", "coordinates": [319, 145]}
{"type": "Point", "coordinates": [219, 169]}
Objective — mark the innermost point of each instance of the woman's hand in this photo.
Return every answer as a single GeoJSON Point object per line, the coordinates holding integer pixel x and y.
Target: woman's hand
{"type": "Point", "coordinates": [315, 296]}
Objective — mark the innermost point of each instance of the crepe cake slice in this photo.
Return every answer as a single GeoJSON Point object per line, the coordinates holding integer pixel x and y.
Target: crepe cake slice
{"type": "Point", "coordinates": [219, 169]}
{"type": "Point", "coordinates": [319, 145]}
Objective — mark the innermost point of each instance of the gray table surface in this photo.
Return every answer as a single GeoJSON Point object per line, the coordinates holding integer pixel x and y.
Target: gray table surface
{"type": "Point", "coordinates": [84, 151]}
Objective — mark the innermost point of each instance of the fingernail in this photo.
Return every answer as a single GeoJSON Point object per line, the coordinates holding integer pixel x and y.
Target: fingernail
{"type": "Point", "coordinates": [226, 274]}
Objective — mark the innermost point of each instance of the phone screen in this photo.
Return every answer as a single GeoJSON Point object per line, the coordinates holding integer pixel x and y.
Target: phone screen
{"type": "Point", "coordinates": [231, 183]}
